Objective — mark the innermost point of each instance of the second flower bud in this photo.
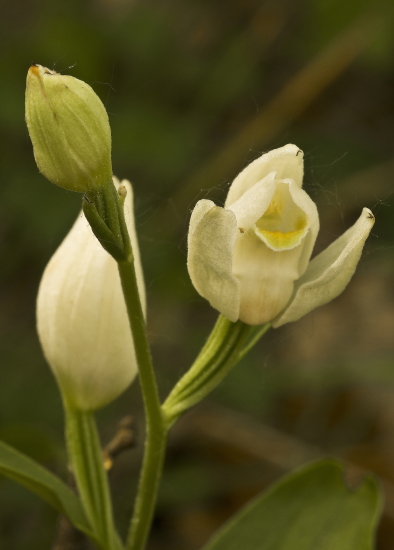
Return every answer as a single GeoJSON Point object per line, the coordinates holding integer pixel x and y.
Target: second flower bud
{"type": "Point", "coordinates": [69, 129]}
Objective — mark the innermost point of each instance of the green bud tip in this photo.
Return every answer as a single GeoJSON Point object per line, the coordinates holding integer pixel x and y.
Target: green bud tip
{"type": "Point", "coordinates": [69, 129]}
{"type": "Point", "coordinates": [122, 192]}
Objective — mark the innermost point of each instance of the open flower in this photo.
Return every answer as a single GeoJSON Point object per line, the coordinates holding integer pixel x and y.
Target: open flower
{"type": "Point", "coordinates": [251, 259]}
{"type": "Point", "coordinates": [82, 319]}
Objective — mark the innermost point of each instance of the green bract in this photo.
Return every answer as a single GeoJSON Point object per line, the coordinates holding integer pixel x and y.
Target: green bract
{"type": "Point", "coordinates": [69, 129]}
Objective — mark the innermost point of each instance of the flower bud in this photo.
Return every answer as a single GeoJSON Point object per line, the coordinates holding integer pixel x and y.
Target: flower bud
{"type": "Point", "coordinates": [82, 319]}
{"type": "Point", "coordinates": [69, 129]}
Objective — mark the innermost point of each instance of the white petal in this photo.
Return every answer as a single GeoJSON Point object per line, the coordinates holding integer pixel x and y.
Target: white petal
{"type": "Point", "coordinates": [202, 207]}
{"type": "Point", "coordinates": [252, 205]}
{"type": "Point", "coordinates": [266, 278]}
{"type": "Point", "coordinates": [329, 273]}
{"type": "Point", "coordinates": [306, 204]}
{"type": "Point", "coordinates": [130, 222]}
{"type": "Point", "coordinates": [211, 243]}
{"type": "Point", "coordinates": [287, 162]}
{"type": "Point", "coordinates": [82, 319]}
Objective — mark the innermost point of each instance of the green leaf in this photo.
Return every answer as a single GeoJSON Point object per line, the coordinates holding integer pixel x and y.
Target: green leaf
{"type": "Point", "coordinates": [310, 509]}
{"type": "Point", "coordinates": [30, 474]}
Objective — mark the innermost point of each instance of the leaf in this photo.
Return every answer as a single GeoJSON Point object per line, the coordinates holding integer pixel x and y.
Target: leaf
{"type": "Point", "coordinates": [311, 509]}
{"type": "Point", "coordinates": [30, 474]}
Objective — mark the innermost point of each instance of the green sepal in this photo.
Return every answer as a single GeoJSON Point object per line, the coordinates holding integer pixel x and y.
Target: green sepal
{"type": "Point", "coordinates": [309, 509]}
{"type": "Point", "coordinates": [25, 471]}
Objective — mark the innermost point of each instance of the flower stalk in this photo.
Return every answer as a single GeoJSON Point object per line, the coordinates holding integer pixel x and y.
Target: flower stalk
{"type": "Point", "coordinates": [224, 348]}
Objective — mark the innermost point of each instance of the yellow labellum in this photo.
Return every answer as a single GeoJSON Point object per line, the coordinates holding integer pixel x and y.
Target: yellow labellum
{"type": "Point", "coordinates": [276, 240]}
{"type": "Point", "coordinates": [280, 229]}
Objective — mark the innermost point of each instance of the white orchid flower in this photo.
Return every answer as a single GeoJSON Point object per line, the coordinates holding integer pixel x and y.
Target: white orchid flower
{"type": "Point", "coordinates": [251, 259]}
{"type": "Point", "coordinates": [82, 319]}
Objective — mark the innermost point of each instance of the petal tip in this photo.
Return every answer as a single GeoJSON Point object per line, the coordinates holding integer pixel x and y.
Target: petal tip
{"type": "Point", "coordinates": [369, 214]}
{"type": "Point", "coordinates": [292, 149]}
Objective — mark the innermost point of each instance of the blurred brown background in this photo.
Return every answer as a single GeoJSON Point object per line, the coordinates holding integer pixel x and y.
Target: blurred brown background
{"type": "Point", "coordinates": [195, 89]}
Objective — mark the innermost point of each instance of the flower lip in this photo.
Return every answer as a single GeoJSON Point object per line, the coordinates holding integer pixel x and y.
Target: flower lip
{"type": "Point", "coordinates": [278, 240]}
{"type": "Point", "coordinates": [284, 224]}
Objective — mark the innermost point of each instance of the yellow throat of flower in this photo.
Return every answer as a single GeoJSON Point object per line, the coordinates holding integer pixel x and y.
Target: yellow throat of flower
{"type": "Point", "coordinates": [283, 225]}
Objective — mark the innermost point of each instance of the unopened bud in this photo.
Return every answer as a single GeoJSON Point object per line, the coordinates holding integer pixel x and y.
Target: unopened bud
{"type": "Point", "coordinates": [82, 319]}
{"type": "Point", "coordinates": [69, 129]}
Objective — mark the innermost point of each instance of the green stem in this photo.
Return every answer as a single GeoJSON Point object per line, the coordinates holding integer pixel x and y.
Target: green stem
{"type": "Point", "coordinates": [156, 430]}
{"type": "Point", "coordinates": [152, 468]}
{"type": "Point", "coordinates": [88, 467]}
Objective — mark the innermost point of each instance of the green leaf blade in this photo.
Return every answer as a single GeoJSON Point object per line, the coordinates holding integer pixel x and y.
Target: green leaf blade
{"type": "Point", "coordinates": [311, 509]}
{"type": "Point", "coordinates": [25, 471]}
